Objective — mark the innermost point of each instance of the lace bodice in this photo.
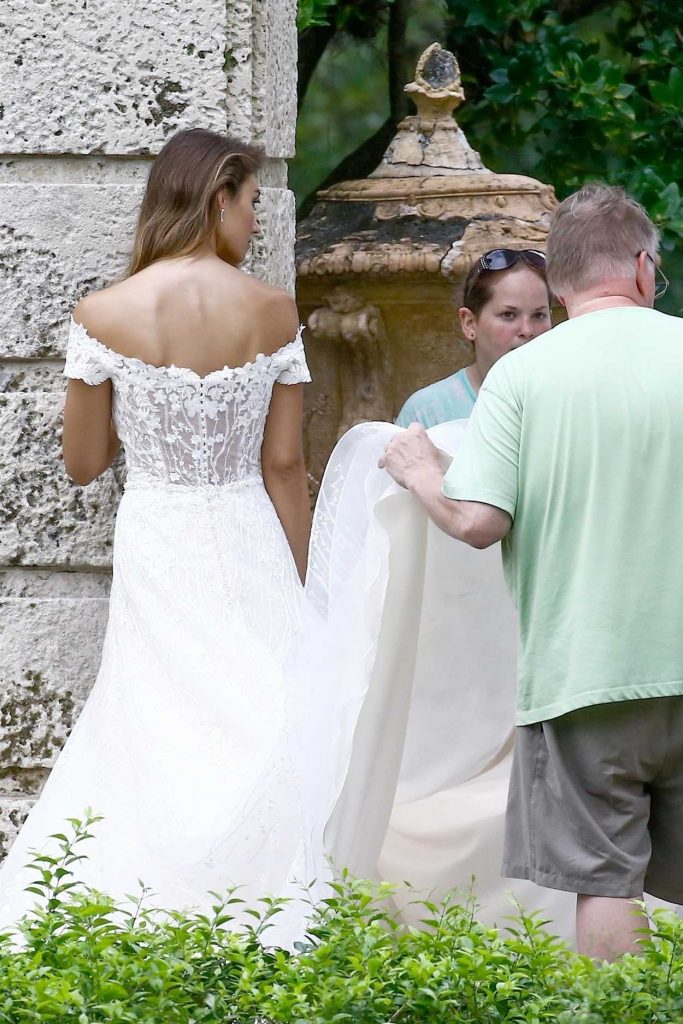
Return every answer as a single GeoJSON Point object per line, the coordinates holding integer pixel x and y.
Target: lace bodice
{"type": "Point", "coordinates": [179, 428]}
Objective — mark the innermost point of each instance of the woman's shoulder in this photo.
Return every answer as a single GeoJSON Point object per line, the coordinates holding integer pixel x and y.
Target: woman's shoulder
{"type": "Point", "coordinates": [446, 399]}
{"type": "Point", "coordinates": [87, 357]}
{"type": "Point", "coordinates": [98, 310]}
{"type": "Point", "coordinates": [89, 306]}
{"type": "Point", "coordinates": [275, 313]}
{"type": "Point", "coordinates": [444, 388]}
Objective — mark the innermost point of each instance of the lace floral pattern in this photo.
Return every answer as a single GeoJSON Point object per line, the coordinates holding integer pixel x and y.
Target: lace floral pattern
{"type": "Point", "coordinates": [185, 742]}
{"type": "Point", "coordinates": [180, 428]}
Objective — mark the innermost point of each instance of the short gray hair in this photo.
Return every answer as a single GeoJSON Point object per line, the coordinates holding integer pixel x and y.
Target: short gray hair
{"type": "Point", "coordinates": [596, 233]}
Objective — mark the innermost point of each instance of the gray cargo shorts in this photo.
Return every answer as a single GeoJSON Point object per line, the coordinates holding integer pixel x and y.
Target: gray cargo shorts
{"type": "Point", "coordinates": [596, 801]}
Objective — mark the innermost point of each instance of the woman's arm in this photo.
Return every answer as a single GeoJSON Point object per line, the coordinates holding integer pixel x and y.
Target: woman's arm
{"type": "Point", "coordinates": [284, 470]}
{"type": "Point", "coordinates": [89, 441]}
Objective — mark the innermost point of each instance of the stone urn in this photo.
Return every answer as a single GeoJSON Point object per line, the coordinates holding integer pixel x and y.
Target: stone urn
{"type": "Point", "coordinates": [380, 262]}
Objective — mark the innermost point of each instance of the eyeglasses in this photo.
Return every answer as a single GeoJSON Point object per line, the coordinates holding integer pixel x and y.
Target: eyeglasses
{"type": "Point", "coordinates": [661, 280]}
{"type": "Point", "coordinates": [503, 259]}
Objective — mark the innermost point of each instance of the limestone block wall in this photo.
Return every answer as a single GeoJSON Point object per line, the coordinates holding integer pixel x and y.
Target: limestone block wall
{"type": "Point", "coordinates": [89, 92]}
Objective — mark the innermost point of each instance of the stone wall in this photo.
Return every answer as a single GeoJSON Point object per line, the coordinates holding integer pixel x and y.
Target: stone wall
{"type": "Point", "coordinates": [90, 91]}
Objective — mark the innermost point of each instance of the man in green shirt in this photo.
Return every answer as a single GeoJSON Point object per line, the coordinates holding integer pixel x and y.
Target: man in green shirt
{"type": "Point", "coordinates": [572, 459]}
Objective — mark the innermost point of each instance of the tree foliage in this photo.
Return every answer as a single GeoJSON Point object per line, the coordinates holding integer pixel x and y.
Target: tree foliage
{"type": "Point", "coordinates": [360, 16]}
{"type": "Point", "coordinates": [318, 21]}
{"type": "Point", "coordinates": [575, 90]}
{"type": "Point", "coordinates": [564, 91]}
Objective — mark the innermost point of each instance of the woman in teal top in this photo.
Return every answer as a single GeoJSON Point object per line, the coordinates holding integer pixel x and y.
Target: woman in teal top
{"type": "Point", "coordinates": [505, 304]}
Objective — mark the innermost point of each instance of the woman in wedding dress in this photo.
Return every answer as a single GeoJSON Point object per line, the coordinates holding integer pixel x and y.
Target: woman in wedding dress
{"type": "Point", "coordinates": [184, 746]}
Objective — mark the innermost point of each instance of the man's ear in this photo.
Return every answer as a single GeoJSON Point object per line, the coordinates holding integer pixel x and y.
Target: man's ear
{"type": "Point", "coordinates": [644, 274]}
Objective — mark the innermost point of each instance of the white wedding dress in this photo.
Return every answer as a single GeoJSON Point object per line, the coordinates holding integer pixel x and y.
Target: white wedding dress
{"type": "Point", "coordinates": [184, 745]}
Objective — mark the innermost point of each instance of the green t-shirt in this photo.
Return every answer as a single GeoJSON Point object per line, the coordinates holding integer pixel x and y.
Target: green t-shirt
{"type": "Point", "coordinates": [579, 437]}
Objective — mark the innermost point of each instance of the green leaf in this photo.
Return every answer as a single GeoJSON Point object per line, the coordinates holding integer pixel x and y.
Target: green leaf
{"type": "Point", "coordinates": [590, 70]}
{"type": "Point", "coordinates": [676, 86]}
{"type": "Point", "coordinates": [502, 93]}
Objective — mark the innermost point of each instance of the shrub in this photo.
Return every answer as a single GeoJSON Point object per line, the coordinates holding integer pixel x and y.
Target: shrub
{"type": "Point", "coordinates": [83, 958]}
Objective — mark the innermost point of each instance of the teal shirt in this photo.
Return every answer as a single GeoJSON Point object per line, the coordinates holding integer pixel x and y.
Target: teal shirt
{"type": "Point", "coordinates": [579, 437]}
{"type": "Point", "coordinates": [446, 400]}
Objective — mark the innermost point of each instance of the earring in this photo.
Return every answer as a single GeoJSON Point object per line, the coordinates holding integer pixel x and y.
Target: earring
{"type": "Point", "coordinates": [222, 214]}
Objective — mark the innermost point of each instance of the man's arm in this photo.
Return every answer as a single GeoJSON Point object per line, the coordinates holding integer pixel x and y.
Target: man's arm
{"type": "Point", "coordinates": [413, 461]}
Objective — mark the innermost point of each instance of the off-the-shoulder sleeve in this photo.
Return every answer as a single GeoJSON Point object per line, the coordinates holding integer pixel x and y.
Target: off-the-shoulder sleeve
{"type": "Point", "coordinates": [85, 359]}
{"type": "Point", "coordinates": [293, 365]}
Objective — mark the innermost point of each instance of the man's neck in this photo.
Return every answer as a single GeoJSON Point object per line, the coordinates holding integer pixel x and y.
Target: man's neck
{"type": "Point", "coordinates": [609, 294]}
{"type": "Point", "coordinates": [579, 308]}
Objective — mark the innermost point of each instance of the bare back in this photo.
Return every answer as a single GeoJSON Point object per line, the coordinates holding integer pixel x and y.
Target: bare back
{"type": "Point", "coordinates": [195, 312]}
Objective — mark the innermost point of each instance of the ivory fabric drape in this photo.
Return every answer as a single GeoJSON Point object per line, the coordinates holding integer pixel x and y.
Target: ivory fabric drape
{"type": "Point", "coordinates": [414, 674]}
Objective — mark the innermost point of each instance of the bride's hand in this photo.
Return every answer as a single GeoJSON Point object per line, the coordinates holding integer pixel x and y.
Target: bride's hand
{"type": "Point", "coordinates": [409, 453]}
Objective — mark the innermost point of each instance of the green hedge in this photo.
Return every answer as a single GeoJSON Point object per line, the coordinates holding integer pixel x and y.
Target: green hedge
{"type": "Point", "coordinates": [83, 959]}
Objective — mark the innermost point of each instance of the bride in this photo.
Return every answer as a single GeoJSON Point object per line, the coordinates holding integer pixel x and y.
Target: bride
{"type": "Point", "coordinates": [184, 746]}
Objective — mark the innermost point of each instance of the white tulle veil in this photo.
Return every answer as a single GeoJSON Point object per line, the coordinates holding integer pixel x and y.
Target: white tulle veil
{"type": "Point", "coordinates": [405, 699]}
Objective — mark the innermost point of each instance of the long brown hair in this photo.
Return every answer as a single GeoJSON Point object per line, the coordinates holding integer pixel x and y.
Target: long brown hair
{"type": "Point", "coordinates": [178, 210]}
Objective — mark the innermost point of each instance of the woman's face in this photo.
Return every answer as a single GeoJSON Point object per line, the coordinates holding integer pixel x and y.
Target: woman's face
{"type": "Point", "coordinates": [517, 311]}
{"type": "Point", "coordinates": [240, 222]}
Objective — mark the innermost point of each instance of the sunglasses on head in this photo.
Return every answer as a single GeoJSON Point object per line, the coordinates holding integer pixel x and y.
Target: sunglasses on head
{"type": "Point", "coordinates": [503, 259]}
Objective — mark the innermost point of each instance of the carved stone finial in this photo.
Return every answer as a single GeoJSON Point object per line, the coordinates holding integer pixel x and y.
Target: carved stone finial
{"type": "Point", "coordinates": [437, 90]}
{"type": "Point", "coordinates": [430, 142]}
